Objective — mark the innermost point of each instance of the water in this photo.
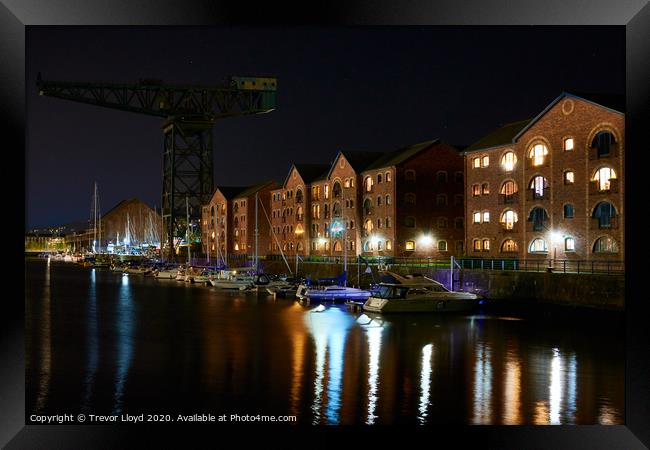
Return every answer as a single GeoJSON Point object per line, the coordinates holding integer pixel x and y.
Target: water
{"type": "Point", "coordinates": [104, 343]}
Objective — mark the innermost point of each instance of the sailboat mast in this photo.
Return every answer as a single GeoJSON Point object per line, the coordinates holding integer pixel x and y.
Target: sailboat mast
{"type": "Point", "coordinates": [257, 237]}
{"type": "Point", "coordinates": [187, 231]}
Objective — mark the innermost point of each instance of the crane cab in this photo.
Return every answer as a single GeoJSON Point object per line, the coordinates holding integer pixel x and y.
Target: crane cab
{"type": "Point", "coordinates": [255, 83]}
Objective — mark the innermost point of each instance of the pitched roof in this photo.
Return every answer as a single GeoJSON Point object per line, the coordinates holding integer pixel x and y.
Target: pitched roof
{"type": "Point", "coordinates": [309, 172]}
{"type": "Point", "coordinates": [358, 160]}
{"type": "Point", "coordinates": [230, 192]}
{"type": "Point", "coordinates": [123, 203]}
{"type": "Point", "coordinates": [396, 157]}
{"type": "Point", "coordinates": [250, 190]}
{"type": "Point", "coordinates": [501, 136]}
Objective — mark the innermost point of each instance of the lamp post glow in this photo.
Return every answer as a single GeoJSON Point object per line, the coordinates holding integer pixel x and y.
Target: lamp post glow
{"type": "Point", "coordinates": [555, 238]}
{"type": "Point", "coordinates": [337, 228]}
{"type": "Point", "coordinates": [426, 241]}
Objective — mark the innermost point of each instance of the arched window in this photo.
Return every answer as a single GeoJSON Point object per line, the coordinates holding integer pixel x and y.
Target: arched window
{"type": "Point", "coordinates": [604, 212]}
{"type": "Point", "coordinates": [409, 245]}
{"type": "Point", "coordinates": [537, 153]}
{"type": "Point", "coordinates": [337, 246]}
{"type": "Point", "coordinates": [367, 183]}
{"type": "Point", "coordinates": [508, 191]}
{"type": "Point", "coordinates": [508, 161]}
{"type": "Point", "coordinates": [336, 209]}
{"type": "Point", "coordinates": [299, 213]}
{"type": "Point", "coordinates": [409, 222]}
{"type": "Point", "coordinates": [442, 177]}
{"type": "Point", "coordinates": [379, 178]}
{"type": "Point", "coordinates": [442, 246]}
{"type": "Point", "coordinates": [476, 244]}
{"type": "Point", "coordinates": [441, 200]}
{"type": "Point", "coordinates": [605, 244]}
{"type": "Point", "coordinates": [387, 221]}
{"type": "Point", "coordinates": [347, 183]}
{"type": "Point", "coordinates": [336, 189]}
{"type": "Point", "coordinates": [409, 175]}
{"type": "Point", "coordinates": [569, 244]}
{"type": "Point", "coordinates": [367, 206]}
{"type": "Point", "coordinates": [508, 219]}
{"type": "Point", "coordinates": [539, 186]}
{"type": "Point", "coordinates": [387, 198]}
{"type": "Point", "coordinates": [299, 196]}
{"type": "Point", "coordinates": [379, 198]}
{"type": "Point", "coordinates": [538, 216]}
{"type": "Point", "coordinates": [409, 198]}
{"type": "Point", "coordinates": [389, 245]}
{"type": "Point", "coordinates": [299, 229]}
{"type": "Point", "coordinates": [509, 246]}
{"type": "Point", "coordinates": [387, 178]}
{"type": "Point", "coordinates": [602, 177]}
{"type": "Point", "coordinates": [538, 245]}
{"type": "Point", "coordinates": [603, 142]}
{"type": "Point", "coordinates": [379, 223]}
{"type": "Point", "coordinates": [367, 246]}
{"type": "Point", "coordinates": [442, 222]}
{"type": "Point", "coordinates": [368, 225]}
{"type": "Point", "coordinates": [485, 188]}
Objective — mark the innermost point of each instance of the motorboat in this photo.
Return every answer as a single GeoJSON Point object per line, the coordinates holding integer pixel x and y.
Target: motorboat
{"type": "Point", "coordinates": [416, 293]}
{"type": "Point", "coordinates": [166, 273]}
{"type": "Point", "coordinates": [266, 283]}
{"type": "Point", "coordinates": [335, 290]}
{"type": "Point", "coordinates": [239, 279]}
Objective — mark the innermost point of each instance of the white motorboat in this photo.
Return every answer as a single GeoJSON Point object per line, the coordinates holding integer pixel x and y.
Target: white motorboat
{"type": "Point", "coordinates": [204, 277]}
{"type": "Point", "coordinates": [240, 278]}
{"type": "Point", "coordinates": [180, 274]}
{"type": "Point", "coordinates": [397, 293]}
{"type": "Point", "coordinates": [167, 273]}
{"type": "Point", "coordinates": [137, 270]}
{"type": "Point", "coordinates": [331, 293]}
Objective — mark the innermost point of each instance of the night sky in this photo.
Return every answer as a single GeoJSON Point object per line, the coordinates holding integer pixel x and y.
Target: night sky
{"type": "Point", "coordinates": [371, 88]}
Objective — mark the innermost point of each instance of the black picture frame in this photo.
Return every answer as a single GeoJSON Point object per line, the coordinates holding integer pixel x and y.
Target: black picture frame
{"type": "Point", "coordinates": [633, 14]}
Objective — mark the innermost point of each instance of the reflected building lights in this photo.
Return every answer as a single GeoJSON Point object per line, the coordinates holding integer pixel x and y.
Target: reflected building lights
{"type": "Point", "coordinates": [46, 344]}
{"type": "Point", "coordinates": [571, 389]}
{"type": "Point", "coordinates": [482, 385]}
{"type": "Point", "coordinates": [512, 391]}
{"type": "Point", "coordinates": [374, 348]}
{"type": "Point", "coordinates": [336, 347]}
{"type": "Point", "coordinates": [555, 389]}
{"type": "Point", "coordinates": [93, 342]}
{"type": "Point", "coordinates": [425, 382]}
{"type": "Point", "coordinates": [124, 328]}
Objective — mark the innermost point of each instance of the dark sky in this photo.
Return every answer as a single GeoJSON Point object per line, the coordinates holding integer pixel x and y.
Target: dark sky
{"type": "Point", "coordinates": [370, 88]}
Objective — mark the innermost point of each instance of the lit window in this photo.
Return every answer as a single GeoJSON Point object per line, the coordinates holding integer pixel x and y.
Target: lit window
{"type": "Point", "coordinates": [236, 244]}
{"type": "Point", "coordinates": [486, 216]}
{"type": "Point", "coordinates": [476, 190]}
{"type": "Point", "coordinates": [388, 199]}
{"type": "Point", "coordinates": [537, 154]}
{"type": "Point", "coordinates": [508, 219]}
{"type": "Point", "coordinates": [605, 245]}
{"type": "Point", "coordinates": [368, 226]}
{"type": "Point", "coordinates": [410, 245]}
{"type": "Point", "coordinates": [442, 246]}
{"type": "Point", "coordinates": [569, 244]}
{"type": "Point", "coordinates": [486, 161]}
{"type": "Point", "coordinates": [538, 246]}
{"type": "Point", "coordinates": [476, 162]}
{"type": "Point", "coordinates": [351, 182]}
{"type": "Point", "coordinates": [327, 191]}
{"type": "Point", "coordinates": [538, 185]}
{"type": "Point", "coordinates": [509, 246]}
{"type": "Point", "coordinates": [477, 217]}
{"type": "Point", "coordinates": [486, 244]}
{"type": "Point", "coordinates": [485, 188]}
{"type": "Point", "coordinates": [568, 144]}
{"type": "Point", "coordinates": [388, 178]}
{"type": "Point", "coordinates": [508, 161]}
{"type": "Point", "coordinates": [569, 177]}
{"type": "Point", "coordinates": [368, 184]}
{"type": "Point", "coordinates": [379, 246]}
{"type": "Point", "coordinates": [389, 244]}
{"type": "Point", "coordinates": [477, 245]}
{"type": "Point", "coordinates": [602, 177]}
{"type": "Point", "coordinates": [347, 183]}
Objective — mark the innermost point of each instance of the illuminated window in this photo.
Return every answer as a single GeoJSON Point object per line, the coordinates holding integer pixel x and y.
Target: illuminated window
{"type": "Point", "coordinates": [442, 177]}
{"type": "Point", "coordinates": [508, 219]}
{"type": "Point", "coordinates": [569, 177]}
{"type": "Point", "coordinates": [388, 179]}
{"type": "Point", "coordinates": [485, 188]}
{"type": "Point", "coordinates": [568, 211]}
{"type": "Point", "coordinates": [605, 244]}
{"type": "Point", "coordinates": [337, 246]}
{"type": "Point", "coordinates": [368, 184]}
{"type": "Point", "coordinates": [409, 222]}
{"type": "Point", "coordinates": [409, 199]}
{"type": "Point", "coordinates": [326, 192]}
{"type": "Point", "coordinates": [508, 161]}
{"type": "Point", "coordinates": [476, 190]}
{"type": "Point", "coordinates": [486, 216]}
{"type": "Point", "coordinates": [368, 226]}
{"type": "Point", "coordinates": [477, 217]}
{"type": "Point", "coordinates": [410, 245]}
{"type": "Point", "coordinates": [442, 246]}
{"type": "Point", "coordinates": [409, 175]}
{"type": "Point", "coordinates": [569, 244]}
{"type": "Point", "coordinates": [537, 154]}
{"type": "Point", "coordinates": [568, 144]}
{"type": "Point", "coordinates": [351, 182]}
{"type": "Point", "coordinates": [477, 245]}
{"type": "Point", "coordinates": [315, 193]}
{"type": "Point", "coordinates": [389, 245]}
{"type": "Point", "coordinates": [509, 246]}
{"type": "Point", "coordinates": [602, 177]}
{"type": "Point", "coordinates": [476, 163]}
{"type": "Point", "coordinates": [538, 185]}
{"type": "Point", "coordinates": [387, 198]}
{"type": "Point", "coordinates": [485, 162]}
{"type": "Point", "coordinates": [538, 245]}
{"type": "Point", "coordinates": [486, 245]}
{"type": "Point", "coordinates": [347, 183]}
{"type": "Point", "coordinates": [236, 244]}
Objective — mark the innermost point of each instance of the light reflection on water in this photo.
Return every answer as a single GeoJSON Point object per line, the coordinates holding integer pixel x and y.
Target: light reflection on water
{"type": "Point", "coordinates": [329, 366]}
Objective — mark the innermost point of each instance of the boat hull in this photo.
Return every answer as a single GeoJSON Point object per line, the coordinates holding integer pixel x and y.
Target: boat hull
{"type": "Point", "coordinates": [439, 304]}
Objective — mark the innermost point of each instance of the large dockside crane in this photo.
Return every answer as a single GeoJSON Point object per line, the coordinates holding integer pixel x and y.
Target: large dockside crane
{"type": "Point", "coordinates": [189, 114]}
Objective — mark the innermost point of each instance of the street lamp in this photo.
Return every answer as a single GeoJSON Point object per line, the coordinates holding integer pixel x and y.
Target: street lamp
{"type": "Point", "coordinates": [337, 227]}
{"type": "Point", "coordinates": [555, 238]}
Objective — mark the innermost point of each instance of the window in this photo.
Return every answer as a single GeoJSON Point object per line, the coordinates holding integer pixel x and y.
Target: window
{"type": "Point", "coordinates": [605, 244]}
{"type": "Point", "coordinates": [486, 245]}
{"type": "Point", "coordinates": [569, 244]}
{"type": "Point", "coordinates": [485, 162]}
{"type": "Point", "coordinates": [508, 161]}
{"type": "Point", "coordinates": [602, 177]}
{"type": "Point", "coordinates": [538, 185]}
{"type": "Point", "coordinates": [368, 226]}
{"type": "Point", "coordinates": [367, 206]}
{"type": "Point", "coordinates": [538, 216]}
{"type": "Point", "coordinates": [379, 178]}
{"type": "Point", "coordinates": [409, 222]}
{"type": "Point", "coordinates": [476, 163]}
{"type": "Point", "coordinates": [602, 142]}
{"type": "Point", "coordinates": [604, 212]}
{"type": "Point", "coordinates": [458, 200]}
{"type": "Point", "coordinates": [379, 223]}
{"type": "Point", "coordinates": [409, 175]}
{"type": "Point", "coordinates": [337, 246]}
{"type": "Point", "coordinates": [459, 223]}
{"type": "Point", "coordinates": [477, 217]}
{"type": "Point", "coordinates": [508, 219]}
{"type": "Point", "coordinates": [368, 184]}
{"type": "Point", "coordinates": [410, 245]}
{"type": "Point", "coordinates": [476, 190]}
{"type": "Point", "coordinates": [389, 244]}
{"type": "Point", "coordinates": [379, 246]}
{"type": "Point", "coordinates": [509, 246]}
{"type": "Point", "coordinates": [442, 177]}
{"type": "Point", "coordinates": [315, 193]}
{"type": "Point", "coordinates": [346, 184]}
{"type": "Point", "coordinates": [326, 192]}
{"type": "Point", "coordinates": [388, 178]}
{"type": "Point", "coordinates": [442, 222]}
{"type": "Point", "coordinates": [486, 216]}
{"type": "Point", "coordinates": [351, 182]}
{"type": "Point", "coordinates": [442, 246]}
{"type": "Point", "coordinates": [299, 213]}
{"type": "Point", "coordinates": [379, 200]}
{"type": "Point", "coordinates": [299, 196]}
{"type": "Point", "coordinates": [441, 200]}
{"type": "Point", "coordinates": [409, 199]}
{"type": "Point", "coordinates": [568, 211]}
{"type": "Point", "coordinates": [508, 190]}
{"type": "Point", "coordinates": [538, 245]}
{"type": "Point", "coordinates": [352, 224]}
{"type": "Point", "coordinates": [485, 189]}
{"type": "Point", "coordinates": [337, 190]}
{"type": "Point", "coordinates": [568, 144]}
{"type": "Point", "coordinates": [351, 203]}
{"type": "Point", "coordinates": [569, 177]}
{"type": "Point", "coordinates": [477, 245]}
{"type": "Point", "coordinates": [537, 154]}
{"type": "Point", "coordinates": [387, 198]}
{"type": "Point", "coordinates": [336, 210]}
{"type": "Point", "coordinates": [458, 177]}
{"type": "Point", "coordinates": [387, 222]}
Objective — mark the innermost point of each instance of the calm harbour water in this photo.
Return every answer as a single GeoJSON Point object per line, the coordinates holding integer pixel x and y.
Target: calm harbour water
{"type": "Point", "coordinates": [103, 343]}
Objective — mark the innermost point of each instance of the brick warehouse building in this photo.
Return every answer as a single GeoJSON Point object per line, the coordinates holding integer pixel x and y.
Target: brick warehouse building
{"type": "Point", "coordinates": [412, 202]}
{"type": "Point", "coordinates": [550, 187]}
{"type": "Point", "coordinates": [216, 220]}
{"type": "Point", "coordinates": [290, 210]}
